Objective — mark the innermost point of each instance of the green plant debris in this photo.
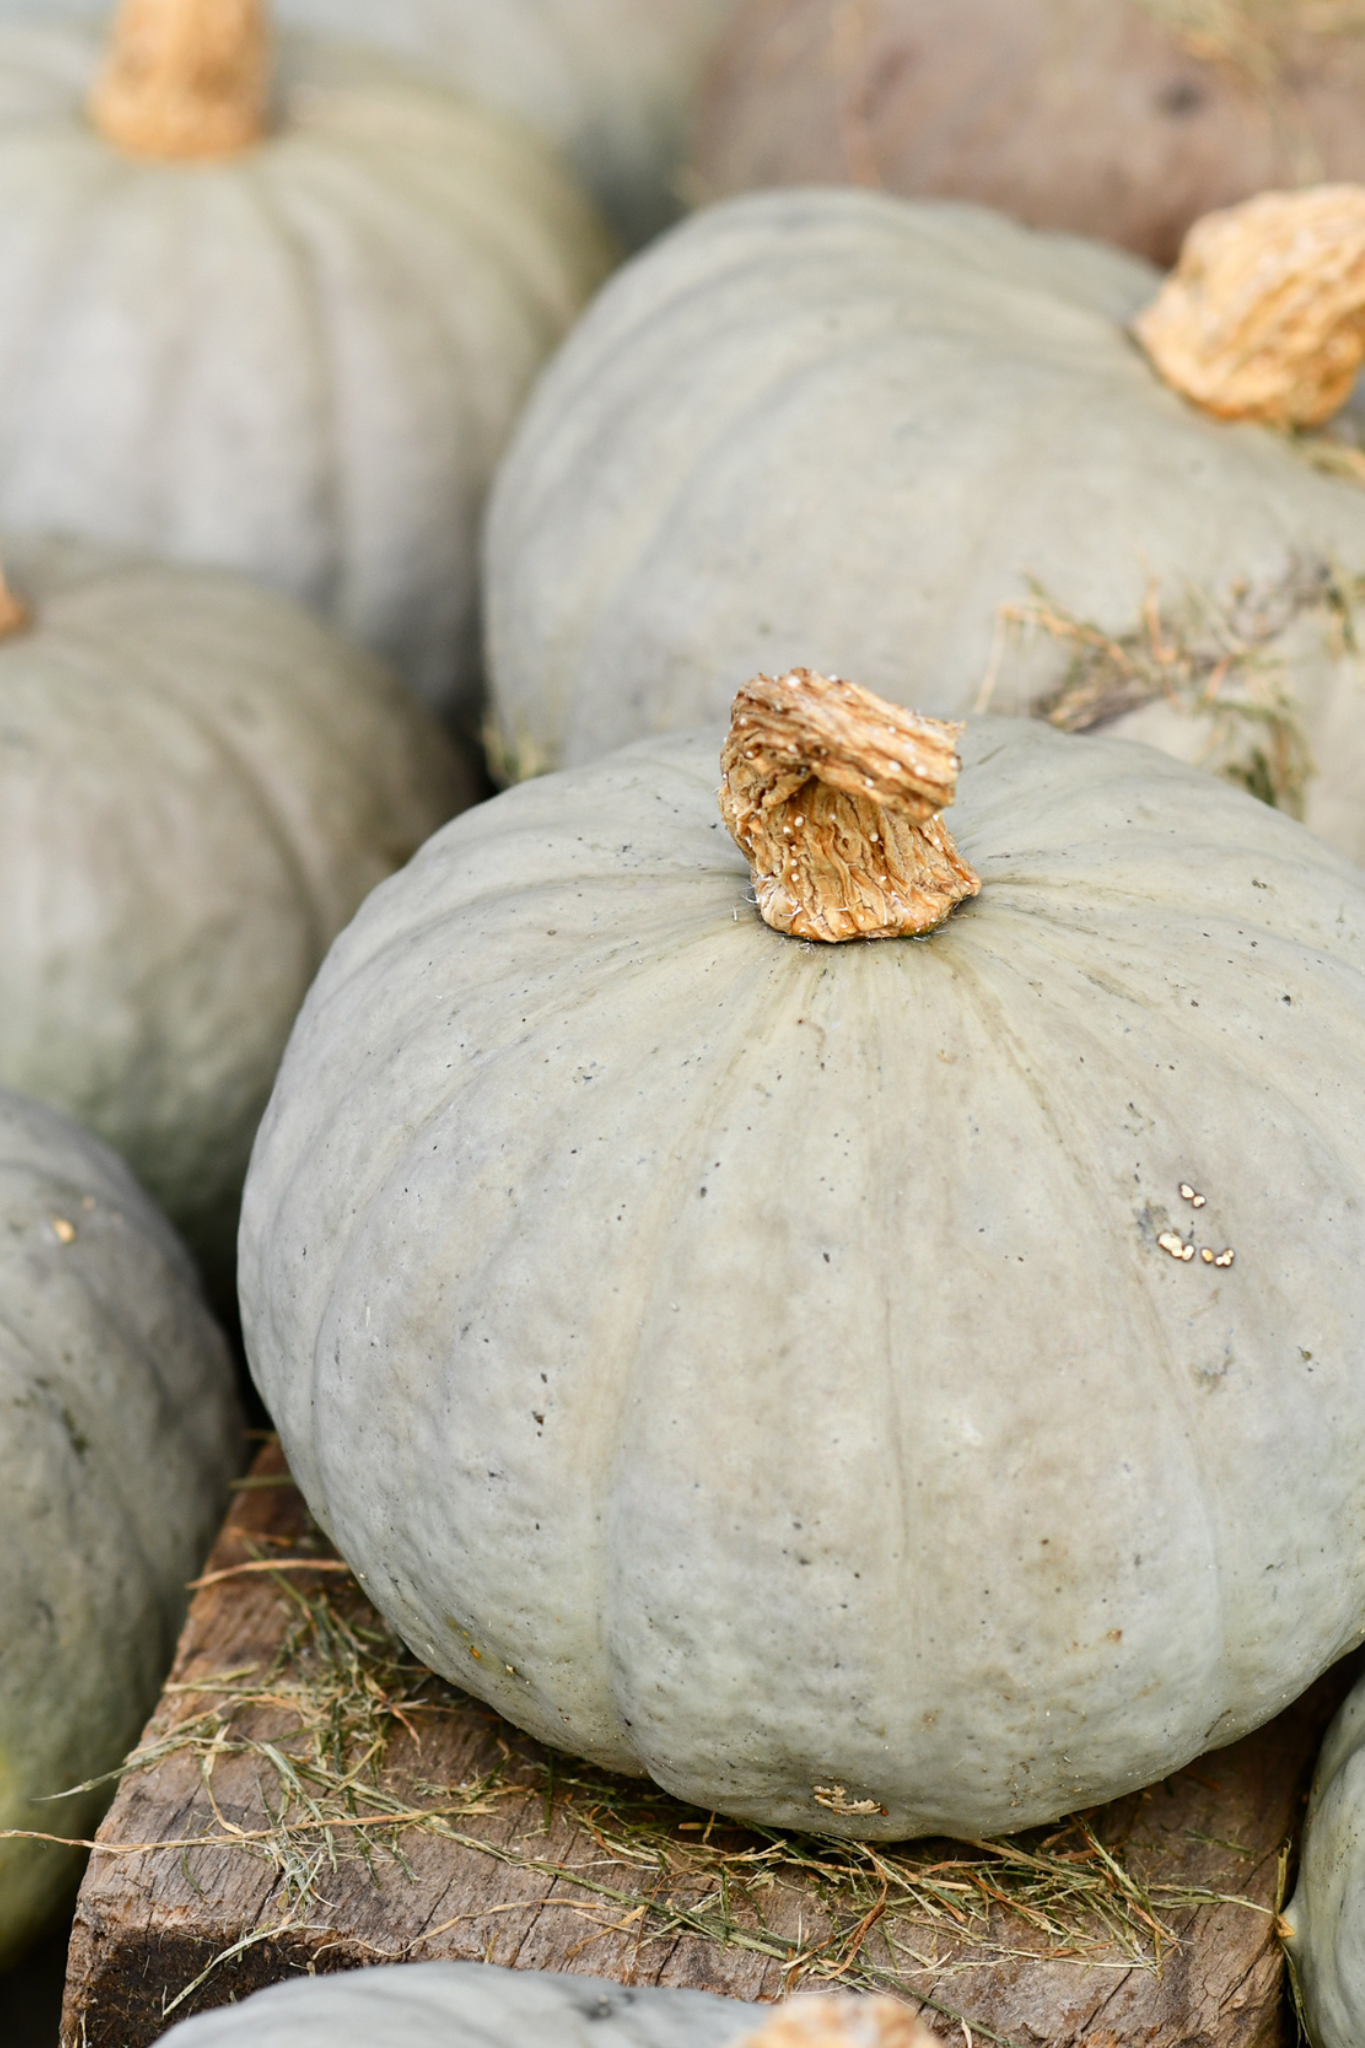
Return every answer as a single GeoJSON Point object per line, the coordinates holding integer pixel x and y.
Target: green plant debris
{"type": "Point", "coordinates": [1217, 663]}
{"type": "Point", "coordinates": [513, 755]}
{"type": "Point", "coordinates": [339, 1778]}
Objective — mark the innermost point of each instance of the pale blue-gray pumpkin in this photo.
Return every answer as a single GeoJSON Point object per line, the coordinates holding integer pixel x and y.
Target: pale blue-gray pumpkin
{"type": "Point", "coordinates": [792, 1370]}
{"type": "Point", "coordinates": [199, 782]}
{"type": "Point", "coordinates": [610, 82]}
{"type": "Point", "coordinates": [298, 357]}
{"type": "Point", "coordinates": [915, 443]}
{"type": "Point", "coordinates": [1324, 1922]}
{"type": "Point", "coordinates": [479, 2005]}
{"type": "Point", "coordinates": [119, 1433]}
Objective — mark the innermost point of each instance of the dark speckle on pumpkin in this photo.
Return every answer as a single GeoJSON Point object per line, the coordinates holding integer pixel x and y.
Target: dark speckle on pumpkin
{"type": "Point", "coordinates": [1180, 97]}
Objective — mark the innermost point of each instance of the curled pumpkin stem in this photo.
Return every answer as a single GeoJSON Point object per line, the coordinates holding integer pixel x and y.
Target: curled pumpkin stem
{"type": "Point", "coordinates": [1263, 318]}
{"type": "Point", "coordinates": [184, 79]}
{"type": "Point", "coordinates": [842, 2022]}
{"type": "Point", "coordinates": [834, 797]}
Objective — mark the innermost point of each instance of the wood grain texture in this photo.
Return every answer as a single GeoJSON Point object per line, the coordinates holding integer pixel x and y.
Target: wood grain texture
{"type": "Point", "coordinates": [524, 1880]}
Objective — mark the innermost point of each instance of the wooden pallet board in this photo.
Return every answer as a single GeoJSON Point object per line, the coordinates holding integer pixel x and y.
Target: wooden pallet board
{"type": "Point", "coordinates": [527, 1859]}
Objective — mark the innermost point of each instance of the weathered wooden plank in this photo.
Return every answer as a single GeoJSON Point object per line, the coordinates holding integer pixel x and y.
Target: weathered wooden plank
{"type": "Point", "coordinates": [529, 1859]}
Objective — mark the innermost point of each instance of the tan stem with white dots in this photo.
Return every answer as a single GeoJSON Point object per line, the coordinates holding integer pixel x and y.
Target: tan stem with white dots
{"type": "Point", "coordinates": [184, 79]}
{"type": "Point", "coordinates": [834, 796]}
{"type": "Point", "coordinates": [1263, 318]}
{"type": "Point", "coordinates": [842, 2022]}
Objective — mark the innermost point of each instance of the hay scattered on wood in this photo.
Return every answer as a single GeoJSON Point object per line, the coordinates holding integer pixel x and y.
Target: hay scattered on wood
{"type": "Point", "coordinates": [343, 1694]}
{"type": "Point", "coordinates": [1216, 663]}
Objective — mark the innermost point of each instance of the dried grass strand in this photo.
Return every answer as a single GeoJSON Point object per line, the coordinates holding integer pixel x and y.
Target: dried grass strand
{"type": "Point", "coordinates": [350, 1690]}
{"type": "Point", "coordinates": [1218, 662]}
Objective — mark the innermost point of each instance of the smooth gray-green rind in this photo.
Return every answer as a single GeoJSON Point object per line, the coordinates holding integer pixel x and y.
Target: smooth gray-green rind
{"type": "Point", "coordinates": [755, 1363]}
{"type": "Point", "coordinates": [119, 1431]}
{"type": "Point", "coordinates": [839, 429]}
{"type": "Point", "coordinates": [199, 783]}
{"type": "Point", "coordinates": [1326, 1916]}
{"type": "Point", "coordinates": [610, 81]}
{"type": "Point", "coordinates": [470, 2005]}
{"type": "Point", "coordinates": [302, 362]}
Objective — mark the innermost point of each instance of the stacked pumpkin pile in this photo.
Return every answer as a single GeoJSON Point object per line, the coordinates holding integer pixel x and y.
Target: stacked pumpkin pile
{"type": "Point", "coordinates": [856, 1321]}
{"type": "Point", "coordinates": [268, 312]}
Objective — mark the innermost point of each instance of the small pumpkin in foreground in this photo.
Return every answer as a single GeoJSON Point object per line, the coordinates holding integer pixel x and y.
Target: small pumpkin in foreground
{"type": "Point", "coordinates": [1125, 119]}
{"type": "Point", "coordinates": [479, 2005]}
{"type": "Point", "coordinates": [119, 1433]}
{"type": "Point", "coordinates": [198, 785]}
{"type": "Point", "coordinates": [920, 444]}
{"type": "Point", "coordinates": [884, 1388]}
{"type": "Point", "coordinates": [282, 326]}
{"type": "Point", "coordinates": [1324, 1923]}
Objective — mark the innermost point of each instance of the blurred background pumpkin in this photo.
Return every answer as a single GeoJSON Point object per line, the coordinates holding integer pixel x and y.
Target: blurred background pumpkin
{"type": "Point", "coordinates": [120, 1435]}
{"type": "Point", "coordinates": [1120, 118]}
{"type": "Point", "coordinates": [1323, 1922]}
{"type": "Point", "coordinates": [285, 329]}
{"type": "Point", "coordinates": [610, 82]}
{"type": "Point", "coordinates": [199, 783]}
{"type": "Point", "coordinates": [916, 443]}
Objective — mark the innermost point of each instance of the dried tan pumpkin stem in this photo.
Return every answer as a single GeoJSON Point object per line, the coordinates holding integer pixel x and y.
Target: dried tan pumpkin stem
{"type": "Point", "coordinates": [184, 79]}
{"type": "Point", "coordinates": [1263, 318]}
{"type": "Point", "coordinates": [14, 613]}
{"type": "Point", "coordinates": [842, 2022]}
{"type": "Point", "coordinates": [834, 797]}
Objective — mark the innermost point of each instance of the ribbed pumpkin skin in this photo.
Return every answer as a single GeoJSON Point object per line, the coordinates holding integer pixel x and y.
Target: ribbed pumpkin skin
{"type": "Point", "coordinates": [1327, 1912]}
{"type": "Point", "coordinates": [610, 82]}
{"type": "Point", "coordinates": [842, 430]}
{"type": "Point", "coordinates": [118, 1434]}
{"type": "Point", "coordinates": [470, 2005]}
{"type": "Point", "coordinates": [1086, 115]}
{"type": "Point", "coordinates": [198, 785]}
{"type": "Point", "coordinates": [754, 1364]}
{"type": "Point", "coordinates": [301, 363]}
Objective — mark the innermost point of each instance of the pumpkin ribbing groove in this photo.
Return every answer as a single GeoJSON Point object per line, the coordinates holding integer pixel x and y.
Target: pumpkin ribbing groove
{"type": "Point", "coordinates": [113, 257]}
{"type": "Point", "coordinates": [1068, 1132]}
{"type": "Point", "coordinates": [232, 285]}
{"type": "Point", "coordinates": [1301, 1110]}
{"type": "Point", "coordinates": [313, 310]}
{"type": "Point", "coordinates": [348, 226]}
{"type": "Point", "coordinates": [68, 260]}
{"type": "Point", "coordinates": [255, 796]}
{"type": "Point", "coordinates": [748, 408]}
{"type": "Point", "coordinates": [637, 1262]}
